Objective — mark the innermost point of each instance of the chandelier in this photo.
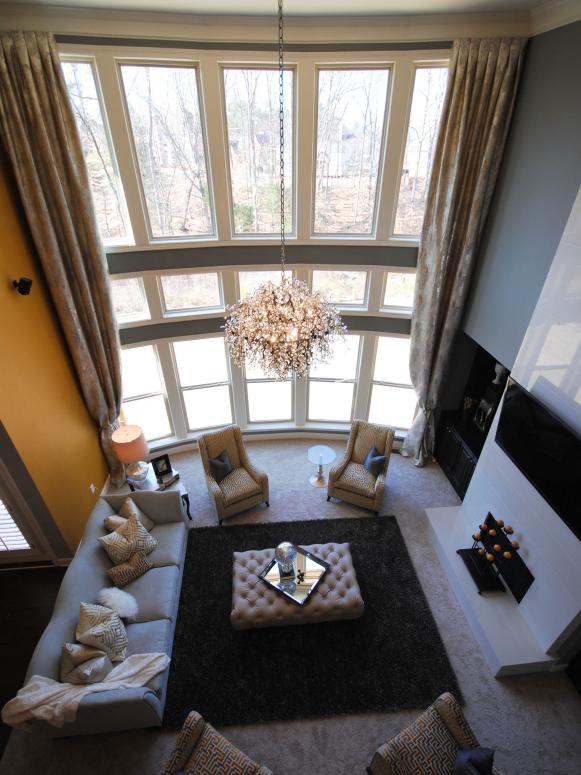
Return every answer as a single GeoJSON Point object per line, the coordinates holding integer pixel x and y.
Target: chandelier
{"type": "Point", "coordinates": [282, 328]}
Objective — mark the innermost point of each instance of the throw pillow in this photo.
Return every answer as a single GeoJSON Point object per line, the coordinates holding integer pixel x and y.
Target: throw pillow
{"type": "Point", "coordinates": [220, 466]}
{"type": "Point", "coordinates": [374, 462]}
{"type": "Point", "coordinates": [121, 602]}
{"type": "Point", "coordinates": [83, 664]}
{"type": "Point", "coordinates": [131, 509]}
{"type": "Point", "coordinates": [129, 538]}
{"type": "Point", "coordinates": [136, 566]}
{"type": "Point", "coordinates": [100, 627]}
{"type": "Point", "coordinates": [474, 761]}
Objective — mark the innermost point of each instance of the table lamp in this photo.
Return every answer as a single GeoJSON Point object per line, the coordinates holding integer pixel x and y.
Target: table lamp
{"type": "Point", "coordinates": [131, 447]}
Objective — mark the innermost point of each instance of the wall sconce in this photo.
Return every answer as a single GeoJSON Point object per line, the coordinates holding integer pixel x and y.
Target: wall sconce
{"type": "Point", "coordinates": [23, 285]}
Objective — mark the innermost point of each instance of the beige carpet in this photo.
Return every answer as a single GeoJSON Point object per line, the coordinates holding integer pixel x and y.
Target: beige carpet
{"type": "Point", "coordinates": [533, 722]}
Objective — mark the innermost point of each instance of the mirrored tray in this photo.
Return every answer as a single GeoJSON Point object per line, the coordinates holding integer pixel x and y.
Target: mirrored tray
{"type": "Point", "coordinates": [309, 570]}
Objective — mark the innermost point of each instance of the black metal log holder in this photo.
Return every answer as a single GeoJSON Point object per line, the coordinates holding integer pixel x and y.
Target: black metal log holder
{"type": "Point", "coordinates": [493, 560]}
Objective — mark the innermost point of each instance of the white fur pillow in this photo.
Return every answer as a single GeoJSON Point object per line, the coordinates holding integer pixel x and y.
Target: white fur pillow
{"type": "Point", "coordinates": [119, 601]}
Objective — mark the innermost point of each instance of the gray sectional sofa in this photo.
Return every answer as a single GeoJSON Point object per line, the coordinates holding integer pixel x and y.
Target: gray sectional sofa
{"type": "Point", "coordinates": [157, 593]}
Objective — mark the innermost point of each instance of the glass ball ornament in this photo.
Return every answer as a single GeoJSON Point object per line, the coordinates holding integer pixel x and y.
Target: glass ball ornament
{"type": "Point", "coordinates": [285, 555]}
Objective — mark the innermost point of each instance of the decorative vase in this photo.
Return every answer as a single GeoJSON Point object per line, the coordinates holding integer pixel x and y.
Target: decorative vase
{"type": "Point", "coordinates": [285, 554]}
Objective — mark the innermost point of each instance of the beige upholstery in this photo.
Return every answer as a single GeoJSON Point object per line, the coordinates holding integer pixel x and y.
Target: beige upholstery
{"type": "Point", "coordinates": [255, 604]}
{"type": "Point", "coordinates": [348, 479]}
{"type": "Point", "coordinates": [200, 750]}
{"type": "Point", "coordinates": [244, 487]}
{"type": "Point", "coordinates": [429, 745]}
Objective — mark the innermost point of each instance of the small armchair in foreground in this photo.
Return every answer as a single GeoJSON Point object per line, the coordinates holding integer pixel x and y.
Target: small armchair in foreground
{"type": "Point", "coordinates": [200, 750]}
{"type": "Point", "coordinates": [430, 745]}
{"type": "Point", "coordinates": [245, 485]}
{"type": "Point", "coordinates": [349, 480]}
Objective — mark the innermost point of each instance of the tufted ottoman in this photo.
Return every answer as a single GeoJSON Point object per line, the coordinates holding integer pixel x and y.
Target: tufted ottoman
{"type": "Point", "coordinates": [255, 604]}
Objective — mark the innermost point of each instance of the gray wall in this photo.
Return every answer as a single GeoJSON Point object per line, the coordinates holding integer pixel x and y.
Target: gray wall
{"type": "Point", "coordinates": [539, 178]}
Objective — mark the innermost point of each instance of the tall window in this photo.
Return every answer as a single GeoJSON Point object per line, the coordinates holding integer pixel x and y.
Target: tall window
{"type": "Point", "coordinates": [345, 288]}
{"type": "Point", "coordinates": [332, 384]}
{"type": "Point", "coordinates": [268, 400]}
{"type": "Point", "coordinates": [144, 400]}
{"type": "Point", "coordinates": [183, 292]}
{"type": "Point", "coordinates": [129, 299]}
{"type": "Point", "coordinates": [204, 381]}
{"type": "Point", "coordinates": [427, 101]}
{"type": "Point", "coordinates": [249, 281]}
{"type": "Point", "coordinates": [252, 117]}
{"type": "Point", "coordinates": [104, 177]}
{"type": "Point", "coordinates": [393, 400]}
{"type": "Point", "coordinates": [164, 112]}
{"type": "Point", "coordinates": [350, 126]}
{"type": "Point", "coordinates": [399, 290]}
{"type": "Point", "coordinates": [11, 537]}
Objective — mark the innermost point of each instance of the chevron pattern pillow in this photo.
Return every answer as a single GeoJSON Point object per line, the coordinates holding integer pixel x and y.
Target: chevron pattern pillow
{"type": "Point", "coordinates": [102, 628]}
{"type": "Point", "coordinates": [131, 537]}
{"type": "Point", "coordinates": [136, 566]}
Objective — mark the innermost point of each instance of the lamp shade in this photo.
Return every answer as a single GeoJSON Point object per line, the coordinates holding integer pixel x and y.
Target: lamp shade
{"type": "Point", "coordinates": [129, 443]}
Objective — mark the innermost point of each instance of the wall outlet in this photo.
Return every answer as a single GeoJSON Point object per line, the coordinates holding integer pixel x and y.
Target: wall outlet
{"type": "Point", "coordinates": [92, 487]}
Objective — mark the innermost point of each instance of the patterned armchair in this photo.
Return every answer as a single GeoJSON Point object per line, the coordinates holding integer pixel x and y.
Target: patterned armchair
{"type": "Point", "coordinates": [348, 479]}
{"type": "Point", "coordinates": [244, 487]}
{"type": "Point", "coordinates": [429, 745]}
{"type": "Point", "coordinates": [200, 750]}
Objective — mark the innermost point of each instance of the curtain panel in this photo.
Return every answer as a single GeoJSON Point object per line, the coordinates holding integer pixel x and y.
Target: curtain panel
{"type": "Point", "coordinates": [482, 85]}
{"type": "Point", "coordinates": [39, 133]}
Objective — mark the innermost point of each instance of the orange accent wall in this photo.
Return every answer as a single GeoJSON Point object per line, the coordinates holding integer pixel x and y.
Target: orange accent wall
{"type": "Point", "coordinates": [40, 402]}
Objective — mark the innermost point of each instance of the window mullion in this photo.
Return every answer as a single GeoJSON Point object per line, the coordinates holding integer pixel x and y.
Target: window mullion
{"type": "Point", "coordinates": [152, 294]}
{"type": "Point", "coordinates": [111, 90]}
{"type": "Point", "coordinates": [173, 390]}
{"type": "Point", "coordinates": [363, 385]}
{"type": "Point", "coordinates": [375, 294]}
{"type": "Point", "coordinates": [400, 101]}
{"type": "Point", "coordinates": [305, 146]}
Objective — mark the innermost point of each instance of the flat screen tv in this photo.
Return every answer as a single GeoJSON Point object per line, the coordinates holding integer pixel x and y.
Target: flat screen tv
{"type": "Point", "coordinates": [547, 452]}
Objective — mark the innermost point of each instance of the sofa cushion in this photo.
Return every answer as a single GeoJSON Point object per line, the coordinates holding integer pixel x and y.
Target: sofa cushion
{"type": "Point", "coordinates": [156, 593]}
{"type": "Point", "coordinates": [131, 509]}
{"type": "Point", "coordinates": [151, 637]}
{"type": "Point", "coordinates": [171, 540]}
{"type": "Point", "coordinates": [356, 478]}
{"type": "Point", "coordinates": [238, 486]}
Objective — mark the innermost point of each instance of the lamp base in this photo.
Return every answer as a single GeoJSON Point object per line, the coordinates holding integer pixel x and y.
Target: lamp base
{"type": "Point", "coordinates": [137, 472]}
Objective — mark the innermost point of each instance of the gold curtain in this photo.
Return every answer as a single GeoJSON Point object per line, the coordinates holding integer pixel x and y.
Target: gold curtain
{"type": "Point", "coordinates": [482, 85]}
{"type": "Point", "coordinates": [38, 130]}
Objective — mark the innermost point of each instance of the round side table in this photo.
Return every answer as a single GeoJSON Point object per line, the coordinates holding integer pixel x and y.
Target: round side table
{"type": "Point", "coordinates": [320, 455]}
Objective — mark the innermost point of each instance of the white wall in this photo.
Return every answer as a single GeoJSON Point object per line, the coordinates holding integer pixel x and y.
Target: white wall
{"type": "Point", "coordinates": [549, 366]}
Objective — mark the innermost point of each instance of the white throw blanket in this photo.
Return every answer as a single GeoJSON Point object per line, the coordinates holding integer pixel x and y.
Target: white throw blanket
{"type": "Point", "coordinates": [55, 702]}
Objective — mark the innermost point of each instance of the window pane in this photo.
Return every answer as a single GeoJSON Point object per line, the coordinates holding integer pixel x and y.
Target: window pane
{"type": "Point", "coordinates": [343, 362]}
{"type": "Point", "coordinates": [165, 118]}
{"type": "Point", "coordinates": [11, 537]}
{"type": "Point", "coordinates": [201, 361]}
{"type": "Point", "coordinates": [341, 287]}
{"type": "Point", "coordinates": [187, 291]}
{"type": "Point", "coordinates": [103, 175]}
{"type": "Point", "coordinates": [249, 281]}
{"type": "Point", "coordinates": [427, 101]}
{"type": "Point", "coordinates": [140, 372]}
{"type": "Point", "coordinates": [129, 300]}
{"type": "Point", "coordinates": [350, 121]}
{"type": "Point", "coordinates": [149, 413]}
{"type": "Point", "coordinates": [208, 407]}
{"type": "Point", "coordinates": [330, 401]}
{"type": "Point", "coordinates": [392, 406]}
{"type": "Point", "coordinates": [399, 289]}
{"type": "Point", "coordinates": [253, 144]}
{"type": "Point", "coordinates": [392, 360]}
{"type": "Point", "coordinates": [269, 401]}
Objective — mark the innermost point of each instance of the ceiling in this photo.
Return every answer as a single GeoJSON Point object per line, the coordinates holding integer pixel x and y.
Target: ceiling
{"type": "Point", "coordinates": [302, 7]}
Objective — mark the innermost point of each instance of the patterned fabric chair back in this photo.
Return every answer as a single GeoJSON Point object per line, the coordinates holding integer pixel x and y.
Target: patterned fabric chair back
{"type": "Point", "coordinates": [218, 441]}
{"type": "Point", "coordinates": [368, 435]}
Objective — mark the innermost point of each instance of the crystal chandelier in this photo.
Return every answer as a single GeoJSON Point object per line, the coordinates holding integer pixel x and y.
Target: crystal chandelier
{"type": "Point", "coordinates": [283, 328]}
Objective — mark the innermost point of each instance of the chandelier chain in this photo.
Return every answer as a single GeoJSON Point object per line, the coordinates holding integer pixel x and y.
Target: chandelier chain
{"type": "Point", "coordinates": [281, 132]}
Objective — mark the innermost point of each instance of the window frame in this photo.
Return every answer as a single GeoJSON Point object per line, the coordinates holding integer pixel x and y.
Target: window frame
{"type": "Point", "coordinates": [133, 321]}
{"type": "Point", "coordinates": [373, 381]}
{"type": "Point", "coordinates": [237, 64]}
{"type": "Point", "coordinates": [268, 380]}
{"type": "Point", "coordinates": [181, 389]}
{"type": "Point", "coordinates": [395, 310]}
{"type": "Point", "coordinates": [184, 63]}
{"type": "Point", "coordinates": [348, 307]}
{"type": "Point", "coordinates": [354, 381]}
{"type": "Point", "coordinates": [188, 311]}
{"type": "Point", "coordinates": [163, 392]}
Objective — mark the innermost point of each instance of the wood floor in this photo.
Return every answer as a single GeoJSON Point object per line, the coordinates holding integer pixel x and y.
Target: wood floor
{"type": "Point", "coordinates": [26, 601]}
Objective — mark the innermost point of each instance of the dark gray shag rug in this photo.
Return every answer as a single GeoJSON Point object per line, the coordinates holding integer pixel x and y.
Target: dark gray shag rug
{"type": "Point", "coordinates": [390, 658]}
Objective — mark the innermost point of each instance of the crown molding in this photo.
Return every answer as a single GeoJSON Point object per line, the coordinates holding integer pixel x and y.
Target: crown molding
{"type": "Point", "coordinates": [553, 14]}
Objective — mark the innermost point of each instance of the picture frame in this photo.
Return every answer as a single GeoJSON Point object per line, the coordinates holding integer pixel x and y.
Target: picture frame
{"type": "Point", "coordinates": [161, 467]}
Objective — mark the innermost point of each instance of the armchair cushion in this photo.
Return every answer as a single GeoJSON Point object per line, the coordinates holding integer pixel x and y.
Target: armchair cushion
{"type": "Point", "coordinates": [374, 462]}
{"type": "Point", "coordinates": [220, 466]}
{"type": "Point", "coordinates": [356, 478]}
{"type": "Point", "coordinates": [237, 486]}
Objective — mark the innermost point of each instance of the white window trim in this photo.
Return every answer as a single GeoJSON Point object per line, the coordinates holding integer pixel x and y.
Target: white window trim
{"type": "Point", "coordinates": [188, 312]}
{"type": "Point", "coordinates": [163, 392]}
{"type": "Point", "coordinates": [345, 306]}
{"type": "Point", "coordinates": [352, 381]}
{"type": "Point", "coordinates": [394, 311]}
{"type": "Point", "coordinates": [373, 381]}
